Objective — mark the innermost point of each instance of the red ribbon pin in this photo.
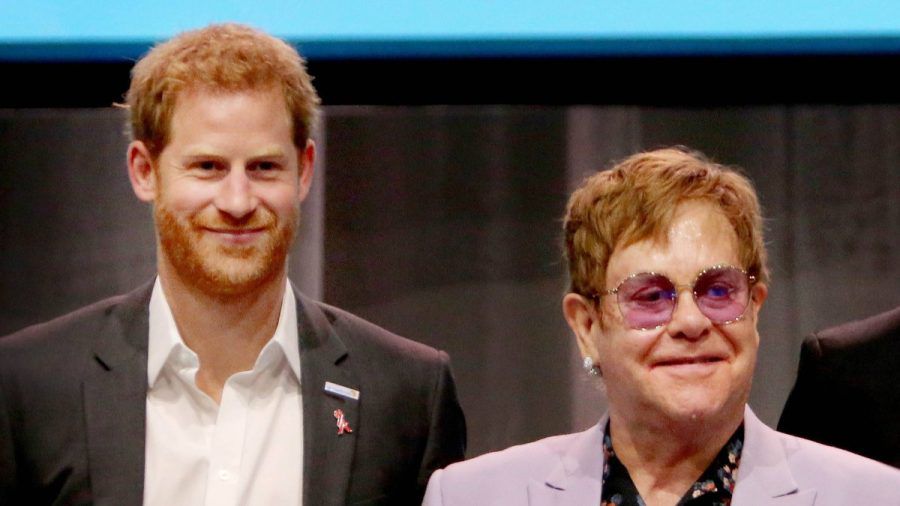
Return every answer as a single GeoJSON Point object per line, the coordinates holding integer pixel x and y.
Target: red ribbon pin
{"type": "Point", "coordinates": [342, 424]}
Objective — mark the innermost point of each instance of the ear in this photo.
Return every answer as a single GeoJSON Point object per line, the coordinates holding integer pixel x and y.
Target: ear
{"type": "Point", "coordinates": [582, 317]}
{"type": "Point", "coordinates": [140, 171]}
{"type": "Point", "coordinates": [758, 295]}
{"type": "Point", "coordinates": [306, 158]}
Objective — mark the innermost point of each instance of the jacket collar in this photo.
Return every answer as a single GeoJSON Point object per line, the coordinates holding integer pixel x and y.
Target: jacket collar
{"type": "Point", "coordinates": [115, 393]}
{"type": "Point", "coordinates": [327, 455]}
{"type": "Point", "coordinates": [577, 478]}
{"type": "Point", "coordinates": [764, 476]}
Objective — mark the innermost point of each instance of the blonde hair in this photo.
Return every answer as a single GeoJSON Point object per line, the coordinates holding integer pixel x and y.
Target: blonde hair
{"type": "Point", "coordinates": [636, 200]}
{"type": "Point", "coordinates": [218, 58]}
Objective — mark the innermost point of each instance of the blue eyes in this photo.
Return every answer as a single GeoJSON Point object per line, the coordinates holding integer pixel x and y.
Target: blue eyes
{"type": "Point", "coordinates": [212, 165]}
{"type": "Point", "coordinates": [651, 296]}
{"type": "Point", "coordinates": [718, 292]}
{"type": "Point", "coordinates": [658, 294]}
{"type": "Point", "coordinates": [207, 166]}
{"type": "Point", "coordinates": [647, 300]}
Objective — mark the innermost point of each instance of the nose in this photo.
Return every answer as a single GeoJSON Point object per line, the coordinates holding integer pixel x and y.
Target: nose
{"type": "Point", "coordinates": [235, 196]}
{"type": "Point", "coordinates": [688, 322]}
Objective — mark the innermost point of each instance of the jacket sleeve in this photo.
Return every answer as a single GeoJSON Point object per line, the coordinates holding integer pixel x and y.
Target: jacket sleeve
{"type": "Point", "coordinates": [447, 432]}
{"type": "Point", "coordinates": [7, 451]}
{"type": "Point", "coordinates": [802, 415]}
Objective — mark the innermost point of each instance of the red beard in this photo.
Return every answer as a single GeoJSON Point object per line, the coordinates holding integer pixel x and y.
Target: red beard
{"type": "Point", "coordinates": [219, 269]}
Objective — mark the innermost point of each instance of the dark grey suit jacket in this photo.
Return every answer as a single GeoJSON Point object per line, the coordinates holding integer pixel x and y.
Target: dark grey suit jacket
{"type": "Point", "coordinates": [848, 388]}
{"type": "Point", "coordinates": [73, 407]}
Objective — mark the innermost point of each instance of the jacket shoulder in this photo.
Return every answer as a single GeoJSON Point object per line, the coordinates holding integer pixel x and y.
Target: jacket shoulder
{"type": "Point", "coordinates": [58, 344]}
{"type": "Point", "coordinates": [364, 336]}
{"type": "Point", "coordinates": [879, 332]}
{"type": "Point", "coordinates": [500, 477]}
{"type": "Point", "coordinates": [63, 330]}
{"type": "Point", "coordinates": [839, 476]}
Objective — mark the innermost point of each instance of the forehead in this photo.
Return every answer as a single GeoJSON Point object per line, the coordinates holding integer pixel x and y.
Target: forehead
{"type": "Point", "coordinates": [698, 237]}
{"type": "Point", "coordinates": [199, 95]}
{"type": "Point", "coordinates": [201, 111]}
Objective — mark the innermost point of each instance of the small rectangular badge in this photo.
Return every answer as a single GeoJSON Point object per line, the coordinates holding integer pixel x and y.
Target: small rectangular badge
{"type": "Point", "coordinates": [341, 390]}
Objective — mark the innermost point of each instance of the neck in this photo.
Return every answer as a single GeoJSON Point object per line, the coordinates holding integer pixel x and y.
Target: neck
{"type": "Point", "coordinates": [226, 332]}
{"type": "Point", "coordinates": [665, 458]}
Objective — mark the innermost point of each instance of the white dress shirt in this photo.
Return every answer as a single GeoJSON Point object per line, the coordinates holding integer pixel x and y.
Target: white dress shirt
{"type": "Point", "coordinates": [248, 450]}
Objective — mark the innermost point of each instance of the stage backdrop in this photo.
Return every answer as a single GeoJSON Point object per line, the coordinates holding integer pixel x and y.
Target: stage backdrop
{"type": "Point", "coordinates": [442, 224]}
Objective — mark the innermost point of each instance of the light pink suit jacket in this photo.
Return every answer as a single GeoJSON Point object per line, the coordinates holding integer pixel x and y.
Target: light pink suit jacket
{"type": "Point", "coordinates": [775, 469]}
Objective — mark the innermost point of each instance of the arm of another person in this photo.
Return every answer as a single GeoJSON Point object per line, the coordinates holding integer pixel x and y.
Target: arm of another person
{"type": "Point", "coordinates": [447, 433]}
{"type": "Point", "coordinates": [7, 453]}
{"type": "Point", "coordinates": [804, 412]}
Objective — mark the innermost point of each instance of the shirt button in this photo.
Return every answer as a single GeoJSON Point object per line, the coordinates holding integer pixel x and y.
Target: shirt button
{"type": "Point", "coordinates": [224, 475]}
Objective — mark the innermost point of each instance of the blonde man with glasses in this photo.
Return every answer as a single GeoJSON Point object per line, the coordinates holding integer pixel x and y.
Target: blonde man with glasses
{"type": "Point", "coordinates": [668, 275]}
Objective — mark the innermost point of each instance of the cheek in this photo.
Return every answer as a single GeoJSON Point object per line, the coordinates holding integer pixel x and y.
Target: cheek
{"type": "Point", "coordinates": [625, 349]}
{"type": "Point", "coordinates": [752, 343]}
{"type": "Point", "coordinates": [282, 198]}
{"type": "Point", "coordinates": [609, 317]}
{"type": "Point", "coordinates": [185, 198]}
{"type": "Point", "coordinates": [744, 342]}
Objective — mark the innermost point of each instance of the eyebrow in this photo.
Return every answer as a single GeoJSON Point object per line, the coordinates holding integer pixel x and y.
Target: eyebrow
{"type": "Point", "coordinates": [269, 152]}
{"type": "Point", "coordinates": [200, 152]}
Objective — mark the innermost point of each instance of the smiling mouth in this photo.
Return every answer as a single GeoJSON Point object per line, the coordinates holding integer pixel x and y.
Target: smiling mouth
{"type": "Point", "coordinates": [682, 361]}
{"type": "Point", "coordinates": [235, 231]}
{"type": "Point", "coordinates": [237, 237]}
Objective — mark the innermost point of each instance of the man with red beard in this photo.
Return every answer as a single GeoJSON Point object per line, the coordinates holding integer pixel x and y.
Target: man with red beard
{"type": "Point", "coordinates": [218, 383]}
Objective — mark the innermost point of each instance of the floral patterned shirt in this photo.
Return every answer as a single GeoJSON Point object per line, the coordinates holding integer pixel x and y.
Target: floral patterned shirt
{"type": "Point", "coordinates": [713, 488]}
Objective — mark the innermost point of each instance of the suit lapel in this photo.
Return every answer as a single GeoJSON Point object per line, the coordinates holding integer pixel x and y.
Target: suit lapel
{"type": "Point", "coordinates": [576, 479]}
{"type": "Point", "coordinates": [115, 393]}
{"type": "Point", "coordinates": [327, 455]}
{"type": "Point", "coordinates": [580, 491]}
{"type": "Point", "coordinates": [764, 476]}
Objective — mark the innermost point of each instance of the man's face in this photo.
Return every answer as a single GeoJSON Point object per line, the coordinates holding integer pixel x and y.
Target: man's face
{"type": "Point", "coordinates": [228, 190]}
{"type": "Point", "coordinates": [688, 370]}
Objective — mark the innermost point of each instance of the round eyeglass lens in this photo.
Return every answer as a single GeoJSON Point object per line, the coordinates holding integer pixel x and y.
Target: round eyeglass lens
{"type": "Point", "coordinates": [646, 300]}
{"type": "Point", "coordinates": [722, 294]}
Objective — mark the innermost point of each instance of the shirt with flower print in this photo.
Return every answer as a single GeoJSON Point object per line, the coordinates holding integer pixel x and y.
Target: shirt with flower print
{"type": "Point", "coordinates": [714, 487]}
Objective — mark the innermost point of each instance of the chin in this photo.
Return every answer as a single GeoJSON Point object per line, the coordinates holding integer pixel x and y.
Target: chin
{"type": "Point", "coordinates": [225, 276]}
{"type": "Point", "coordinates": [693, 414]}
{"type": "Point", "coordinates": [699, 406]}
{"type": "Point", "coordinates": [230, 271]}
{"type": "Point", "coordinates": [237, 281]}
{"type": "Point", "coordinates": [219, 269]}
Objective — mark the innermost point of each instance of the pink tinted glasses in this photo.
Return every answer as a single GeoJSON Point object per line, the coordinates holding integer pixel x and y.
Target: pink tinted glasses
{"type": "Point", "coordinates": [647, 299]}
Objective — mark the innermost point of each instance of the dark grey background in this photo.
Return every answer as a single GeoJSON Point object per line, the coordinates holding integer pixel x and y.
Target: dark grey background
{"type": "Point", "coordinates": [442, 224]}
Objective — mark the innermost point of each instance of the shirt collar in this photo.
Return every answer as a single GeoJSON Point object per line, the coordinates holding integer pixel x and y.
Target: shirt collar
{"type": "Point", "coordinates": [716, 483]}
{"type": "Point", "coordinates": [165, 344]}
{"type": "Point", "coordinates": [286, 334]}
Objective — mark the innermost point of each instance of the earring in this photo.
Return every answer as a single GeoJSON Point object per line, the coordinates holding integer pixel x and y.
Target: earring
{"type": "Point", "coordinates": [589, 367]}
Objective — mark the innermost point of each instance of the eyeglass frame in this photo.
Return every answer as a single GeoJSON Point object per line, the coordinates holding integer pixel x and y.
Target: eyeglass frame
{"type": "Point", "coordinates": [751, 280]}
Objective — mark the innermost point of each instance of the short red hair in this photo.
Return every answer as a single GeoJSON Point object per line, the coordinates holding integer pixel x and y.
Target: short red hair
{"type": "Point", "coordinates": [218, 58]}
